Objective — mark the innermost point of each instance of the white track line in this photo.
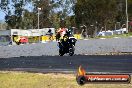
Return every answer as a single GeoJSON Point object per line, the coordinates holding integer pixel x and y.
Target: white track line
{"type": "Point", "coordinates": [102, 38]}
{"type": "Point", "coordinates": [85, 39]}
{"type": "Point", "coordinates": [116, 37]}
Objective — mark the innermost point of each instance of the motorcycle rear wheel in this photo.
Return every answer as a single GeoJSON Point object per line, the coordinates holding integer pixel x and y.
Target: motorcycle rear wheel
{"type": "Point", "coordinates": [61, 52]}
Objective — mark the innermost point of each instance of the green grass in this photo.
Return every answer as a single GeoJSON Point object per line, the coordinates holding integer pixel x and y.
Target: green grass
{"type": "Point", "coordinates": [121, 35]}
{"type": "Point", "coordinates": [38, 80]}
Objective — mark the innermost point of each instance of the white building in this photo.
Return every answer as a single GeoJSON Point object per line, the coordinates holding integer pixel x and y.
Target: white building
{"type": "Point", "coordinates": [6, 36]}
{"type": "Point", "coordinates": [31, 32]}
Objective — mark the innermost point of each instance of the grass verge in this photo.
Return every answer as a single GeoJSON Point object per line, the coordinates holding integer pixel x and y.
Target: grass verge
{"type": "Point", "coordinates": [52, 80]}
{"type": "Point", "coordinates": [121, 36]}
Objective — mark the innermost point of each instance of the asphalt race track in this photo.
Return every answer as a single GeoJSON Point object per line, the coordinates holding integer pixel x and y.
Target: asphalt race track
{"type": "Point", "coordinates": [83, 47]}
{"type": "Point", "coordinates": [67, 64]}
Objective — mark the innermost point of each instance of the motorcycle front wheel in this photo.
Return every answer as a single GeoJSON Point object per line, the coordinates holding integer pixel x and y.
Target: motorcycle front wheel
{"type": "Point", "coordinates": [71, 51]}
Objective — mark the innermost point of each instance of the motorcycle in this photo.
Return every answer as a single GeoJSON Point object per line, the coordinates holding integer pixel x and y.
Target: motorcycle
{"type": "Point", "coordinates": [67, 46]}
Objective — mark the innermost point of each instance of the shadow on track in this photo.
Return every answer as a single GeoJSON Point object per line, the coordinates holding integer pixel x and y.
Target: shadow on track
{"type": "Point", "coordinates": [93, 63]}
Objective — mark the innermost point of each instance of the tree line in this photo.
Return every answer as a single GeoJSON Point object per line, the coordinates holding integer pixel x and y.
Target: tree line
{"type": "Point", "coordinates": [53, 13]}
{"type": "Point", "coordinates": [95, 14]}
